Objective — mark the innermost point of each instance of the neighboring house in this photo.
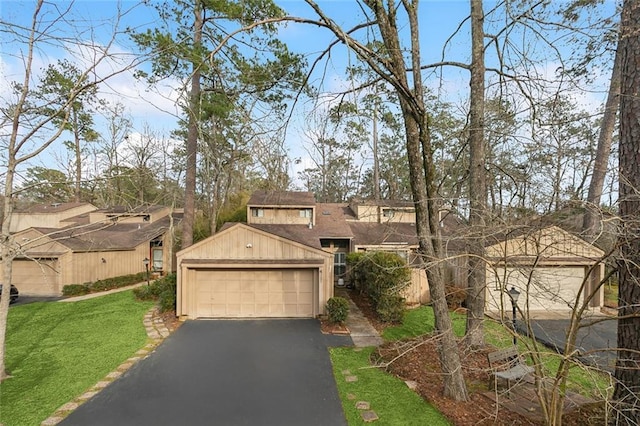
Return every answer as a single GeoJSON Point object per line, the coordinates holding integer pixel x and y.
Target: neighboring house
{"type": "Point", "coordinates": [551, 268]}
{"type": "Point", "coordinates": [74, 243]}
{"type": "Point", "coordinates": [287, 258]}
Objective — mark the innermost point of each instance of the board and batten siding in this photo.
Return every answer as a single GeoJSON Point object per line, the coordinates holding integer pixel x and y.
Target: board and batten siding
{"type": "Point", "coordinates": [243, 247]}
{"type": "Point", "coordinates": [89, 267]}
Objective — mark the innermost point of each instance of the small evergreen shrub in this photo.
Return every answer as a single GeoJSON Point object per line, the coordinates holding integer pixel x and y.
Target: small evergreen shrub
{"type": "Point", "coordinates": [390, 308]}
{"type": "Point", "coordinates": [337, 309]}
{"type": "Point", "coordinates": [163, 290]}
{"type": "Point", "coordinates": [381, 276]}
{"type": "Point", "coordinates": [75, 290]}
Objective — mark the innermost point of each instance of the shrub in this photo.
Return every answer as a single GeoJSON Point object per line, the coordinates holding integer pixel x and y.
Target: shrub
{"type": "Point", "coordinates": [163, 290]}
{"type": "Point", "coordinates": [75, 289]}
{"type": "Point", "coordinates": [390, 308]}
{"type": "Point", "coordinates": [337, 309]}
{"type": "Point", "coordinates": [381, 276]}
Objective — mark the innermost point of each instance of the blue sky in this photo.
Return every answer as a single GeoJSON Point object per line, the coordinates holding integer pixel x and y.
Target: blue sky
{"type": "Point", "coordinates": [157, 108]}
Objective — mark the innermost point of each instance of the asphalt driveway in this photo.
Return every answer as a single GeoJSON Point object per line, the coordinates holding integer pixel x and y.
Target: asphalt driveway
{"type": "Point", "coordinates": [262, 372]}
{"type": "Point", "coordinates": [596, 339]}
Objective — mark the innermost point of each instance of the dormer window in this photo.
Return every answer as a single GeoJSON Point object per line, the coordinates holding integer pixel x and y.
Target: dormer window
{"type": "Point", "coordinates": [257, 212]}
{"type": "Point", "coordinates": [305, 213]}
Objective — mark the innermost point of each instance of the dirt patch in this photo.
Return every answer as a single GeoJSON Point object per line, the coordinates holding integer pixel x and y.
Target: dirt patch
{"type": "Point", "coordinates": [333, 328]}
{"type": "Point", "coordinates": [170, 320]}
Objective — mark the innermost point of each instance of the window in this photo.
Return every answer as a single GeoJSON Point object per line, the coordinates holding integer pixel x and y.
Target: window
{"type": "Point", "coordinates": [305, 213]}
{"type": "Point", "coordinates": [257, 212]}
{"type": "Point", "coordinates": [339, 264]}
{"type": "Point", "coordinates": [157, 259]}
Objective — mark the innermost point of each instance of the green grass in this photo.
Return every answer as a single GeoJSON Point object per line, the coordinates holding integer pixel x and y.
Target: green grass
{"type": "Point", "coordinates": [611, 295]}
{"type": "Point", "coordinates": [390, 398]}
{"type": "Point", "coordinates": [56, 351]}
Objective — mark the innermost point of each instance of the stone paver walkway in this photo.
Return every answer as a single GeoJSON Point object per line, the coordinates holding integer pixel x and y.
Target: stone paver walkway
{"type": "Point", "coordinates": [156, 330]}
{"type": "Point", "coordinates": [362, 332]}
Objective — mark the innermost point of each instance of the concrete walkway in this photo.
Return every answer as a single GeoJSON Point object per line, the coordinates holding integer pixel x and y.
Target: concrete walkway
{"type": "Point", "coordinates": [101, 293]}
{"type": "Point", "coordinates": [362, 332]}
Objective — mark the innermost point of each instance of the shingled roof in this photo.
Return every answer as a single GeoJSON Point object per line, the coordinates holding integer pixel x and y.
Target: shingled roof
{"type": "Point", "coordinates": [102, 237]}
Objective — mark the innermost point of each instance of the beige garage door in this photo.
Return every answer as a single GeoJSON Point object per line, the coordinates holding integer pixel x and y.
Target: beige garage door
{"type": "Point", "coordinates": [36, 278]}
{"type": "Point", "coordinates": [550, 288]}
{"type": "Point", "coordinates": [254, 293]}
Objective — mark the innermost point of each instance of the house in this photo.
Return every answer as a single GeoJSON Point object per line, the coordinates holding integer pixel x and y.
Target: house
{"type": "Point", "coordinates": [74, 243]}
{"type": "Point", "coordinates": [288, 257]}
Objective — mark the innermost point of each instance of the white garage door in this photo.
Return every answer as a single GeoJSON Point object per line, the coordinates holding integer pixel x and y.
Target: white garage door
{"type": "Point", "coordinates": [36, 278]}
{"type": "Point", "coordinates": [254, 293]}
{"type": "Point", "coordinates": [549, 288]}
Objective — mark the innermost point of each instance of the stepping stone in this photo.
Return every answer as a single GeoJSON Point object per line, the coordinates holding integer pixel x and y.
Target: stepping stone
{"type": "Point", "coordinates": [346, 372]}
{"type": "Point", "coordinates": [69, 406]}
{"type": "Point", "coordinates": [411, 384]}
{"type": "Point", "coordinates": [351, 379]}
{"type": "Point", "coordinates": [363, 405]}
{"type": "Point", "coordinates": [51, 421]}
{"type": "Point", "coordinates": [102, 384]}
{"type": "Point", "coordinates": [369, 416]}
{"type": "Point", "coordinates": [351, 396]}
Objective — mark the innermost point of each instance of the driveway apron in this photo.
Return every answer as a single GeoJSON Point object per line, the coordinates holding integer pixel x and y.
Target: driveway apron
{"type": "Point", "coordinates": [225, 372]}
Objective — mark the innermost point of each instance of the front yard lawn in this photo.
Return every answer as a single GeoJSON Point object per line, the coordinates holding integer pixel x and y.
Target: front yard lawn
{"type": "Point", "coordinates": [390, 398]}
{"type": "Point", "coordinates": [56, 351]}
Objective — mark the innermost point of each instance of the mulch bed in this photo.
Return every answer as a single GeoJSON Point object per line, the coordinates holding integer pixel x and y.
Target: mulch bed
{"type": "Point", "coordinates": [417, 360]}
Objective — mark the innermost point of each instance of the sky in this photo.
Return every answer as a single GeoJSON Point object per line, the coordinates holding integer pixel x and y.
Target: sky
{"type": "Point", "coordinates": [156, 108]}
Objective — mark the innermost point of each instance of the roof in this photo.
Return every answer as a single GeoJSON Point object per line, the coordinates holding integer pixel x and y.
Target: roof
{"type": "Point", "coordinates": [373, 233]}
{"type": "Point", "coordinates": [107, 237]}
{"type": "Point", "coordinates": [299, 233]}
{"type": "Point", "coordinates": [147, 208]}
{"type": "Point", "coordinates": [331, 220]}
{"type": "Point", "coordinates": [51, 207]}
{"type": "Point", "coordinates": [282, 198]}
{"type": "Point", "coordinates": [384, 203]}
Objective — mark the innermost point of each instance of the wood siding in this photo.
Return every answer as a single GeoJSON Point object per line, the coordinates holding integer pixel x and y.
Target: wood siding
{"type": "Point", "coordinates": [281, 216]}
{"type": "Point", "coordinates": [52, 219]}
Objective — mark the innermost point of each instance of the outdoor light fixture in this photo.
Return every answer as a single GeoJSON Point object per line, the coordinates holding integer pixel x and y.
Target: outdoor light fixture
{"type": "Point", "coordinates": [514, 294]}
{"type": "Point", "coordinates": [146, 266]}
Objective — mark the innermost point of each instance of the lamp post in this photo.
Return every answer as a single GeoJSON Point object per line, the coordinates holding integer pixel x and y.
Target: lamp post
{"type": "Point", "coordinates": [514, 294]}
{"type": "Point", "coordinates": [146, 267]}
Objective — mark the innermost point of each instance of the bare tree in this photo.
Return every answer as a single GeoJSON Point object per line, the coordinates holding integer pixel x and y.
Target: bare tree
{"type": "Point", "coordinates": [411, 96]}
{"type": "Point", "coordinates": [477, 184]}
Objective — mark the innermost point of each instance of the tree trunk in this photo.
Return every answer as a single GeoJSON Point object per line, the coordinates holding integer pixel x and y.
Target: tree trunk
{"type": "Point", "coordinates": [192, 138]}
{"type": "Point", "coordinates": [423, 187]}
{"type": "Point", "coordinates": [591, 223]}
{"type": "Point", "coordinates": [474, 337]}
{"type": "Point", "coordinates": [626, 395]}
{"type": "Point", "coordinates": [7, 256]}
{"type": "Point", "coordinates": [78, 149]}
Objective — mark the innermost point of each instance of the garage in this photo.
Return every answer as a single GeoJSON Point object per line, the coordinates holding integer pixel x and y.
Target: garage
{"type": "Point", "coordinates": [36, 278]}
{"type": "Point", "coordinates": [247, 272]}
{"type": "Point", "coordinates": [550, 288]}
{"type": "Point", "coordinates": [257, 293]}
{"type": "Point", "coordinates": [548, 266]}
